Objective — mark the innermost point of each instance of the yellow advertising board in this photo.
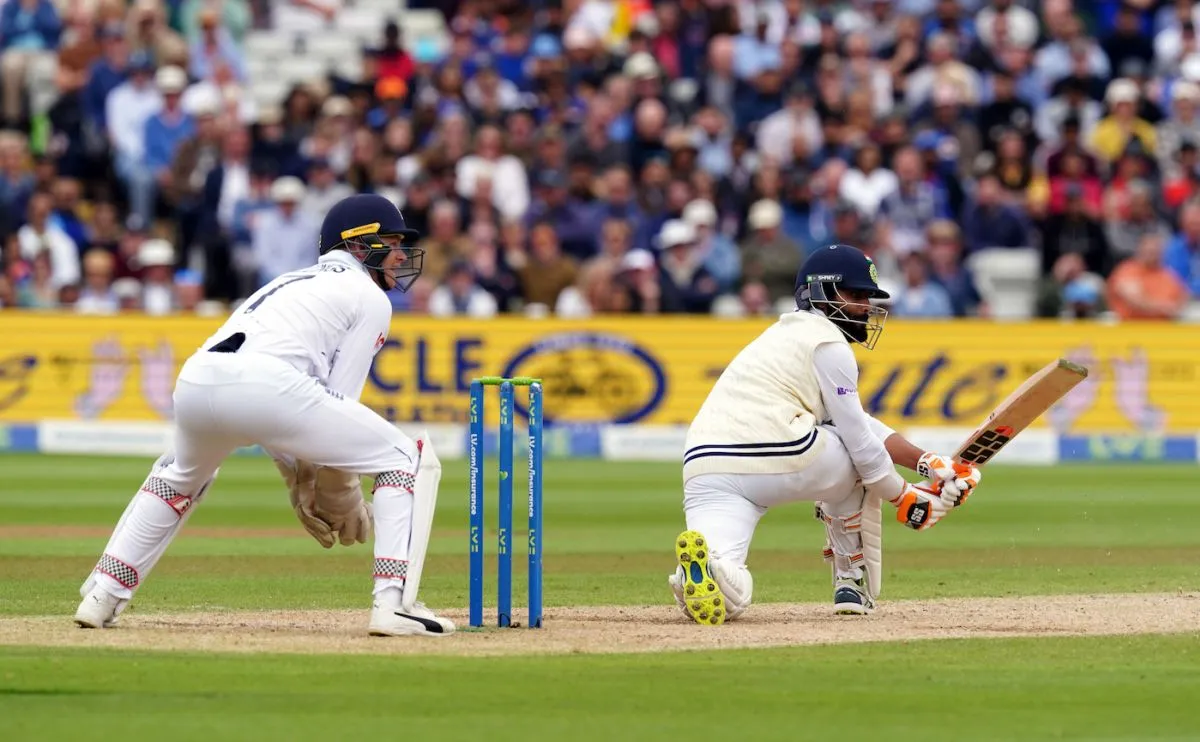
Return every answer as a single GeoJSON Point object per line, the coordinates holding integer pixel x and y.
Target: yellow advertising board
{"type": "Point", "coordinates": [626, 370]}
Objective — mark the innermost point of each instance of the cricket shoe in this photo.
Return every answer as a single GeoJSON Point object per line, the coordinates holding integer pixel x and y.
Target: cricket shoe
{"type": "Point", "coordinates": [702, 598]}
{"type": "Point", "coordinates": [99, 610]}
{"type": "Point", "coordinates": [850, 597]}
{"type": "Point", "coordinates": [388, 618]}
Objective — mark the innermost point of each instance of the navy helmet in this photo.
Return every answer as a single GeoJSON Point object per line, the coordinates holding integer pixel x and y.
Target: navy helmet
{"type": "Point", "coordinates": [829, 272]}
{"type": "Point", "coordinates": [370, 227]}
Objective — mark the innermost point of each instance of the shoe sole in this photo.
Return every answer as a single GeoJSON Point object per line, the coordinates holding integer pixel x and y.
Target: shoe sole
{"type": "Point", "coordinates": [704, 601]}
{"type": "Point", "coordinates": [851, 609]}
{"type": "Point", "coordinates": [411, 630]}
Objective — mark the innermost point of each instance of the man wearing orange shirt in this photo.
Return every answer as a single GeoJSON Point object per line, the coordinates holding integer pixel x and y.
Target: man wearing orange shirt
{"type": "Point", "coordinates": [1143, 288]}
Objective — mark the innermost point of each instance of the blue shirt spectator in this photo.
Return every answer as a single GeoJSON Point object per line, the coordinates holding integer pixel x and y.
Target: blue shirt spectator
{"type": "Point", "coordinates": [29, 25]}
{"type": "Point", "coordinates": [214, 46]}
{"type": "Point", "coordinates": [988, 222]}
{"type": "Point", "coordinates": [1182, 254]}
{"type": "Point", "coordinates": [921, 297]}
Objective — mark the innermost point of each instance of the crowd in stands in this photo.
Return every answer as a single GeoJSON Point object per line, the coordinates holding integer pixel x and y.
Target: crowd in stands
{"type": "Point", "coordinates": [611, 156]}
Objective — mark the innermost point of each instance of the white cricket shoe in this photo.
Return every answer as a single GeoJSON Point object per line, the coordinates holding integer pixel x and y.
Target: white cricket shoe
{"type": "Point", "coordinates": [850, 597]}
{"type": "Point", "coordinates": [388, 618]}
{"type": "Point", "coordinates": [99, 610]}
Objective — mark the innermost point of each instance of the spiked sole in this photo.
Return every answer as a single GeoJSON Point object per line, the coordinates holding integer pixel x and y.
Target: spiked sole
{"type": "Point", "coordinates": [703, 599]}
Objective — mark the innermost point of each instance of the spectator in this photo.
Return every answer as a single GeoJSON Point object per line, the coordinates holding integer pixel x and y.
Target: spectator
{"type": "Point", "coordinates": [97, 296]}
{"type": "Point", "coordinates": [1114, 133]}
{"type": "Point", "coordinates": [718, 253]}
{"type": "Point", "coordinates": [946, 267]}
{"type": "Point", "coordinates": [234, 15]}
{"type": "Point", "coordinates": [166, 131]}
{"type": "Point", "coordinates": [1141, 287]}
{"type": "Point", "coordinates": [193, 160]}
{"type": "Point", "coordinates": [685, 284]}
{"type": "Point", "coordinates": [147, 31]}
{"type": "Point", "coordinates": [510, 193]}
{"type": "Point", "coordinates": [38, 289]}
{"type": "Point", "coordinates": [40, 235]}
{"type": "Point", "coordinates": [444, 243]}
{"type": "Point", "coordinates": [215, 46]}
{"type": "Point", "coordinates": [920, 297]}
{"type": "Point", "coordinates": [1071, 291]}
{"type": "Point", "coordinates": [1180, 127]}
{"type": "Point", "coordinates": [544, 272]}
{"type": "Point", "coordinates": [796, 119]}
{"type": "Point", "coordinates": [460, 295]}
{"type": "Point", "coordinates": [1182, 255]}
{"type": "Point", "coordinates": [1070, 108]}
{"type": "Point", "coordinates": [915, 203]}
{"type": "Point", "coordinates": [1021, 25]}
{"type": "Point", "coordinates": [769, 257]}
{"type": "Point", "coordinates": [573, 221]}
{"type": "Point", "coordinates": [390, 60]}
{"type": "Point", "coordinates": [942, 68]}
{"type": "Point", "coordinates": [324, 189]}
{"type": "Point", "coordinates": [1075, 232]}
{"type": "Point", "coordinates": [1127, 40]}
{"type": "Point", "coordinates": [990, 222]}
{"type": "Point", "coordinates": [157, 259]}
{"type": "Point", "coordinates": [66, 193]}
{"type": "Point", "coordinates": [868, 183]}
{"type": "Point", "coordinates": [102, 78]}
{"type": "Point", "coordinates": [16, 180]}
{"type": "Point", "coordinates": [285, 237]}
{"type": "Point", "coordinates": [128, 109]}
{"type": "Point", "coordinates": [29, 34]}
{"type": "Point", "coordinates": [80, 47]}
{"type": "Point", "coordinates": [1125, 228]}
{"type": "Point", "coordinates": [129, 294]}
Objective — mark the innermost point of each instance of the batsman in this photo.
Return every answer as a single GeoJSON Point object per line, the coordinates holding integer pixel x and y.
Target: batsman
{"type": "Point", "coordinates": [285, 372]}
{"type": "Point", "coordinates": [784, 423]}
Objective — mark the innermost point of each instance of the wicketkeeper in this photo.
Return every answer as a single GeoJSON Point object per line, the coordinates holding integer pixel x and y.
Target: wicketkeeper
{"type": "Point", "coordinates": [285, 371]}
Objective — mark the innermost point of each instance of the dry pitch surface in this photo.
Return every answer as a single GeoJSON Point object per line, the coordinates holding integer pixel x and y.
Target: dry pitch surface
{"type": "Point", "coordinates": [630, 629]}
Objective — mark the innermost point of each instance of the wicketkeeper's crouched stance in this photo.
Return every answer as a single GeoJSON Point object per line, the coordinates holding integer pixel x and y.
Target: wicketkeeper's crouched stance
{"type": "Point", "coordinates": [285, 372]}
{"type": "Point", "coordinates": [784, 423]}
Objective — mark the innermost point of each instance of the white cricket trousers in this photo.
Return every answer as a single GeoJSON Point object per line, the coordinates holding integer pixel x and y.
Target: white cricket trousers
{"type": "Point", "coordinates": [726, 508]}
{"type": "Point", "coordinates": [224, 401]}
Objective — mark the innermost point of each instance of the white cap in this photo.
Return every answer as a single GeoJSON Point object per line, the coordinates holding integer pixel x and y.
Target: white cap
{"type": "Point", "coordinates": [637, 260]}
{"type": "Point", "coordinates": [765, 214]}
{"type": "Point", "coordinates": [205, 101]}
{"type": "Point", "coordinates": [288, 189]}
{"type": "Point", "coordinates": [641, 66]}
{"type": "Point", "coordinates": [127, 288]}
{"type": "Point", "coordinates": [676, 232]}
{"type": "Point", "coordinates": [578, 37]}
{"type": "Point", "coordinates": [337, 105]}
{"type": "Point", "coordinates": [1190, 67]}
{"type": "Point", "coordinates": [1122, 90]}
{"type": "Point", "coordinates": [156, 252]}
{"type": "Point", "coordinates": [700, 213]}
{"type": "Point", "coordinates": [171, 79]}
{"type": "Point", "coordinates": [1184, 90]}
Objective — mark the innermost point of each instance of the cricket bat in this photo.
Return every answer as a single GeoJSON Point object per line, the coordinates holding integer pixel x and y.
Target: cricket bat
{"type": "Point", "coordinates": [1034, 397]}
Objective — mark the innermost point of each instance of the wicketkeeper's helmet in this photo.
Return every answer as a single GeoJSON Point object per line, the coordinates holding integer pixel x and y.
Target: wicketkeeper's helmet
{"type": "Point", "coordinates": [369, 227]}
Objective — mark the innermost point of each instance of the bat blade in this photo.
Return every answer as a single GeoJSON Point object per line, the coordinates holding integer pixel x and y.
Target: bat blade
{"type": "Point", "coordinates": [1018, 411]}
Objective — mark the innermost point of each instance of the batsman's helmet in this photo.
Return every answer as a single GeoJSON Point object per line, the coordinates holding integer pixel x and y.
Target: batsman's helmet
{"type": "Point", "coordinates": [832, 270]}
{"type": "Point", "coordinates": [370, 227]}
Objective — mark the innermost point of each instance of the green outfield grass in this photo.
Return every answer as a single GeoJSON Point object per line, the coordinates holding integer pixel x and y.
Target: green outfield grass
{"type": "Point", "coordinates": [609, 533]}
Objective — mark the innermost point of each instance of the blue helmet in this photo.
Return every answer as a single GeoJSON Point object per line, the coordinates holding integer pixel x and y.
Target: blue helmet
{"type": "Point", "coordinates": [827, 273]}
{"type": "Point", "coordinates": [370, 227]}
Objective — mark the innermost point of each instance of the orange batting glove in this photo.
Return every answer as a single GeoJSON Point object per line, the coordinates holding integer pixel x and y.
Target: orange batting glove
{"type": "Point", "coordinates": [919, 508]}
{"type": "Point", "coordinates": [953, 481]}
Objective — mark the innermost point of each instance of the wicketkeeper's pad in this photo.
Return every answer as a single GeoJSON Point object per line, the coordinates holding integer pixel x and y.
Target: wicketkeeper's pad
{"type": "Point", "coordinates": [425, 493]}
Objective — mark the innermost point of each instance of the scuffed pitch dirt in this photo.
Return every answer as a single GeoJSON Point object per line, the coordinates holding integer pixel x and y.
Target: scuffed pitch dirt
{"type": "Point", "coordinates": [628, 629]}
